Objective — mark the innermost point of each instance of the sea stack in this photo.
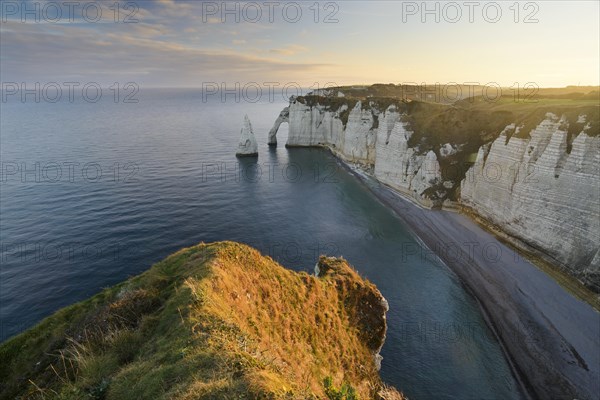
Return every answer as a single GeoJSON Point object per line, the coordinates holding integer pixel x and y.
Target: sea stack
{"type": "Point", "coordinates": [248, 147]}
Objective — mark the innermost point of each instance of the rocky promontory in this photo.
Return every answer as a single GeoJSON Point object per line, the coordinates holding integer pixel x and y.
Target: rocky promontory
{"type": "Point", "coordinates": [211, 321]}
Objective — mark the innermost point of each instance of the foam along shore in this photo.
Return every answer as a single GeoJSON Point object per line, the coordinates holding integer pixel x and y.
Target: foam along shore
{"type": "Point", "coordinates": [551, 338]}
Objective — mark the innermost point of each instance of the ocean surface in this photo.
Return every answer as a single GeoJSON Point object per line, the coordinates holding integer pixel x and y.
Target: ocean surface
{"type": "Point", "coordinates": [93, 193]}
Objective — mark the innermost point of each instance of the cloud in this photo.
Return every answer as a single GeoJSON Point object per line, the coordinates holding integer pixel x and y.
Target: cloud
{"type": "Point", "coordinates": [174, 8]}
{"type": "Point", "coordinates": [289, 50]}
{"type": "Point", "coordinates": [72, 53]}
{"type": "Point", "coordinates": [148, 30]}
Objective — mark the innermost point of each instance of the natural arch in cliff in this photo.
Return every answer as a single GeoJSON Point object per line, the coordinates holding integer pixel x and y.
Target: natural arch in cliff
{"type": "Point", "coordinates": [283, 117]}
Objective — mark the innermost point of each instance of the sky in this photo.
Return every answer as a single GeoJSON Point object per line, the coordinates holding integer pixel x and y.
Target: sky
{"type": "Point", "coordinates": [168, 43]}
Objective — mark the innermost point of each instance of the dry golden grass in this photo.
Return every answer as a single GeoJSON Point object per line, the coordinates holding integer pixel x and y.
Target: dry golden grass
{"type": "Point", "coordinates": [294, 326]}
{"type": "Point", "coordinates": [212, 321]}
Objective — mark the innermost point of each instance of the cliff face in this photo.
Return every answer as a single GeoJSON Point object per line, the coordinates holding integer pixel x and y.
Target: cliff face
{"type": "Point", "coordinates": [368, 137]}
{"type": "Point", "coordinates": [400, 166]}
{"type": "Point", "coordinates": [537, 180]}
{"type": "Point", "coordinates": [211, 321]}
{"type": "Point", "coordinates": [537, 191]}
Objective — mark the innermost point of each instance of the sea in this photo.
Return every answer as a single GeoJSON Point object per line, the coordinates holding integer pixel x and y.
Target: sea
{"type": "Point", "coordinates": [94, 192]}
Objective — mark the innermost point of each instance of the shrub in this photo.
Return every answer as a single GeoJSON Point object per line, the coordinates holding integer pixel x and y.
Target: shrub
{"type": "Point", "coordinates": [345, 392]}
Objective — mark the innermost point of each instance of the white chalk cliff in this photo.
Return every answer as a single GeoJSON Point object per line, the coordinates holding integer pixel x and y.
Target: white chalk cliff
{"type": "Point", "coordinates": [533, 189]}
{"type": "Point", "coordinates": [538, 192]}
{"type": "Point", "coordinates": [400, 166]}
{"type": "Point", "coordinates": [248, 147]}
{"type": "Point", "coordinates": [382, 145]}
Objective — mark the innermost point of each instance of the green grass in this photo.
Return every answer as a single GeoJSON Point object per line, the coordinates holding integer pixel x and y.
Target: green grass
{"type": "Point", "coordinates": [345, 392]}
{"type": "Point", "coordinates": [446, 94]}
{"type": "Point", "coordinates": [211, 321]}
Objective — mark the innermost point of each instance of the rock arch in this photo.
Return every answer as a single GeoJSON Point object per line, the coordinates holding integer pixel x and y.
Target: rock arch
{"type": "Point", "coordinates": [284, 116]}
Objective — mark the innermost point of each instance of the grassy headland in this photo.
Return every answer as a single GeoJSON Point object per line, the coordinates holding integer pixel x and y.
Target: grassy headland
{"type": "Point", "coordinates": [210, 321]}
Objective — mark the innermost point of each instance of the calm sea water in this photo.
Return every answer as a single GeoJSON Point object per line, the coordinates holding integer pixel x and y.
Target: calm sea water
{"type": "Point", "coordinates": [93, 193]}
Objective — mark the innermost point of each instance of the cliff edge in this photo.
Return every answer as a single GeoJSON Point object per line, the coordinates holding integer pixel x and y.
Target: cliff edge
{"type": "Point", "coordinates": [210, 321]}
{"type": "Point", "coordinates": [529, 169]}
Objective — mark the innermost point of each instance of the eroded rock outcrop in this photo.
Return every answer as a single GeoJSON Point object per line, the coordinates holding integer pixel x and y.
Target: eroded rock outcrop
{"type": "Point", "coordinates": [538, 192]}
{"type": "Point", "coordinates": [247, 147]}
{"type": "Point", "coordinates": [366, 307]}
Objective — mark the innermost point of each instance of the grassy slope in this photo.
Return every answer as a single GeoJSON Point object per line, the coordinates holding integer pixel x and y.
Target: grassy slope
{"type": "Point", "coordinates": [210, 321]}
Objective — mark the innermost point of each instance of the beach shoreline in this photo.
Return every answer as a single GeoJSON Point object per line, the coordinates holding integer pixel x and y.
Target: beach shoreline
{"type": "Point", "coordinates": [550, 338]}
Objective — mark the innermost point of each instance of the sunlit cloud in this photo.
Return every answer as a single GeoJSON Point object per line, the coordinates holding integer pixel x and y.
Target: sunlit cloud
{"type": "Point", "coordinates": [289, 50]}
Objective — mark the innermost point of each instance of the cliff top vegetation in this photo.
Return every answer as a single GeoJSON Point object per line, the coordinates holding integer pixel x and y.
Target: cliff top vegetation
{"type": "Point", "coordinates": [210, 321]}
